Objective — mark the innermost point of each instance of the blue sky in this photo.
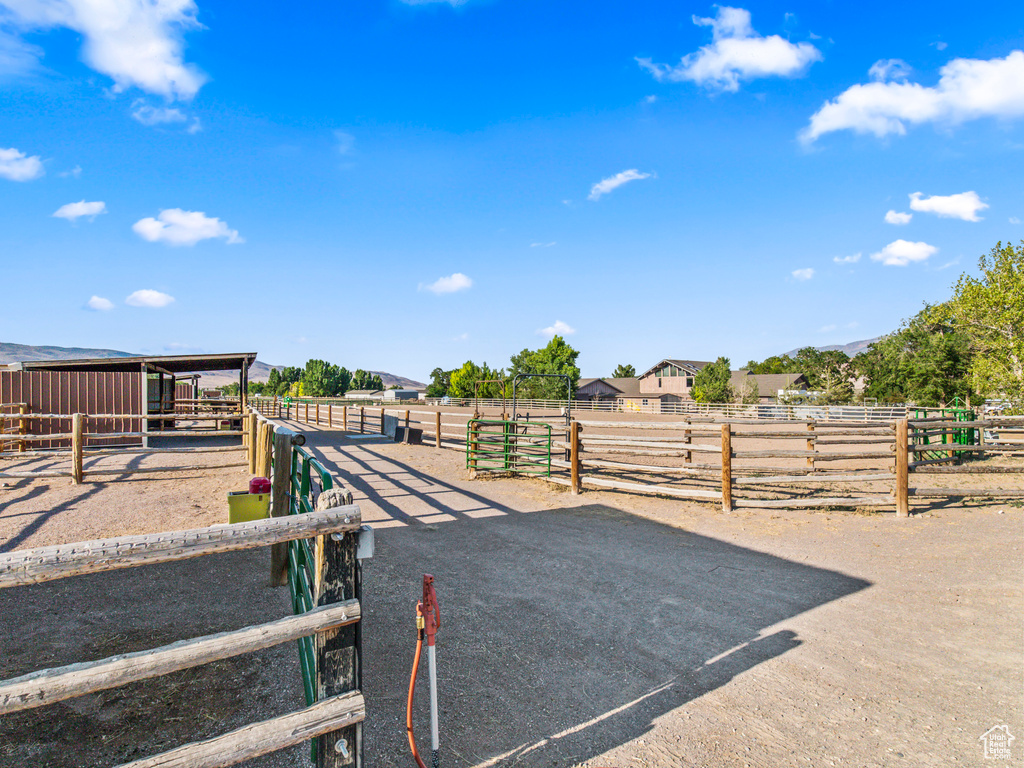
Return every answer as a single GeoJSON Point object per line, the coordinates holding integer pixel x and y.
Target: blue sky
{"type": "Point", "coordinates": [399, 186]}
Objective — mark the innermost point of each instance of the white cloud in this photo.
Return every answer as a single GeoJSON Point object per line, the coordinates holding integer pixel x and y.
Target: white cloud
{"type": "Point", "coordinates": [895, 217]}
{"type": "Point", "coordinates": [74, 173]}
{"type": "Point", "coordinates": [885, 70]}
{"type": "Point", "coordinates": [147, 297]}
{"type": "Point", "coordinates": [1014, 220]}
{"type": "Point", "coordinates": [18, 57]}
{"type": "Point", "coordinates": [558, 329]}
{"type": "Point", "coordinates": [461, 337]}
{"type": "Point", "coordinates": [17, 166]}
{"type": "Point", "coordinates": [803, 274]}
{"type": "Point", "coordinates": [899, 253]}
{"type": "Point", "coordinates": [451, 284]}
{"type": "Point", "coordinates": [543, 245]}
{"type": "Point", "coordinates": [346, 141]}
{"type": "Point", "coordinates": [135, 42]}
{"type": "Point", "coordinates": [148, 115]}
{"type": "Point", "coordinates": [177, 227]}
{"type": "Point", "coordinates": [962, 206]}
{"type": "Point", "coordinates": [74, 211]}
{"type": "Point", "coordinates": [99, 304]}
{"type": "Point", "coordinates": [941, 45]}
{"type": "Point", "coordinates": [968, 89]}
{"type": "Point", "coordinates": [851, 259]}
{"type": "Point", "coordinates": [605, 186]}
{"type": "Point", "coordinates": [826, 329]}
{"type": "Point", "coordinates": [182, 348]}
{"type": "Point", "coordinates": [736, 53]}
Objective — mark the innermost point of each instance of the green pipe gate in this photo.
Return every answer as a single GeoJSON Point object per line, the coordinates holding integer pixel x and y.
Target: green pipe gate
{"type": "Point", "coordinates": [497, 445]}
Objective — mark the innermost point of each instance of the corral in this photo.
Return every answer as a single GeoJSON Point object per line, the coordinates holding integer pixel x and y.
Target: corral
{"type": "Point", "coordinates": [606, 628]}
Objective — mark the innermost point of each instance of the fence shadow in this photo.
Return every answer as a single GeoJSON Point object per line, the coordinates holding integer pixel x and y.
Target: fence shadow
{"type": "Point", "coordinates": [568, 632]}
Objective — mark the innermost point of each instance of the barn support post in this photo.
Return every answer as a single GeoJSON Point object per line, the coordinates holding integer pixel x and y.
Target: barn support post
{"type": "Point", "coordinates": [338, 657]}
{"type": "Point", "coordinates": [902, 470]}
{"type": "Point", "coordinates": [574, 457]}
{"type": "Point", "coordinates": [22, 426]}
{"type": "Point", "coordinates": [279, 502]}
{"type": "Point", "coordinates": [727, 468]}
{"type": "Point", "coordinates": [144, 403]}
{"type": "Point", "coordinates": [77, 438]}
{"type": "Point", "coordinates": [250, 433]}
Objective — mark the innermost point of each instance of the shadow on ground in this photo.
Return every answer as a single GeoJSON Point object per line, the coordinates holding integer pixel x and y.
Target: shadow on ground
{"type": "Point", "coordinates": [566, 632]}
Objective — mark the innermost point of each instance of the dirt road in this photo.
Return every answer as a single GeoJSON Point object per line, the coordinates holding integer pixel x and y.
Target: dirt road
{"type": "Point", "coordinates": [598, 630]}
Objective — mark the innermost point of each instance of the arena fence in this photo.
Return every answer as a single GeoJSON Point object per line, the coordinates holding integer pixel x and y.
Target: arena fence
{"type": "Point", "coordinates": [333, 718]}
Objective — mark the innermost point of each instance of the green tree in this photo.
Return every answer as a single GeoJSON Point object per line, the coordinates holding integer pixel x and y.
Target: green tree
{"type": "Point", "coordinates": [321, 379]}
{"type": "Point", "coordinates": [462, 381]}
{"type": "Point", "coordinates": [711, 384]}
{"type": "Point", "coordinates": [363, 380]}
{"type": "Point", "coordinates": [751, 394]}
{"type": "Point", "coordinates": [555, 358]}
{"type": "Point", "coordinates": [624, 372]}
{"type": "Point", "coordinates": [273, 382]}
{"type": "Point", "coordinates": [989, 311]}
{"type": "Point", "coordinates": [926, 362]}
{"type": "Point", "coordinates": [774, 364]}
{"type": "Point", "coordinates": [440, 380]}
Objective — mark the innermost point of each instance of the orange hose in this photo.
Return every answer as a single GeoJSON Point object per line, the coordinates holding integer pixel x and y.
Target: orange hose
{"type": "Point", "coordinates": [408, 706]}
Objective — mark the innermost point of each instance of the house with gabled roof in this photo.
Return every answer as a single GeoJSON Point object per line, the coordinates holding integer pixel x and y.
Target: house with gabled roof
{"type": "Point", "coordinates": [670, 377]}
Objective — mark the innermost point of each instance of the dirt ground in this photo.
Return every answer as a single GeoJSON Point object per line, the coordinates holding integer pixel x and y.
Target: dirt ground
{"type": "Point", "coordinates": [600, 630]}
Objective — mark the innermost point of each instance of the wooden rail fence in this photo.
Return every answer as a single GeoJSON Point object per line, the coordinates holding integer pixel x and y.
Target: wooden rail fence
{"type": "Point", "coordinates": [340, 705]}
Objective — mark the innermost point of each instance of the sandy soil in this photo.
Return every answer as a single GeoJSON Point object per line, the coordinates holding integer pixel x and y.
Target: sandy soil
{"type": "Point", "coordinates": [601, 630]}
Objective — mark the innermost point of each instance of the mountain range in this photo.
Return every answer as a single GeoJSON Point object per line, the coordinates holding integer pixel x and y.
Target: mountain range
{"type": "Point", "coordinates": [259, 371]}
{"type": "Point", "coordinates": [852, 349]}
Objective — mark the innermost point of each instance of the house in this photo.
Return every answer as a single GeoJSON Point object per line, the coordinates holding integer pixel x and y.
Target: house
{"type": "Point", "coordinates": [364, 394]}
{"type": "Point", "coordinates": [670, 377]}
{"type": "Point", "coordinates": [768, 385]}
{"type": "Point", "coordinates": [624, 392]}
{"type": "Point", "coordinates": [401, 394]}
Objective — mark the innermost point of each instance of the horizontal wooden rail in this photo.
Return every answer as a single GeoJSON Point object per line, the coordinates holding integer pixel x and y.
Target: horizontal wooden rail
{"type": "Point", "coordinates": [810, 503]}
{"type": "Point", "coordinates": [198, 449]}
{"type": "Point", "coordinates": [168, 433]}
{"type": "Point", "coordinates": [23, 473]}
{"type": "Point", "coordinates": [262, 738]}
{"type": "Point", "coordinates": [148, 470]}
{"type": "Point", "coordinates": [49, 686]}
{"type": "Point", "coordinates": [815, 478]}
{"type": "Point", "coordinates": [32, 566]}
{"type": "Point", "coordinates": [968, 469]}
{"type": "Point", "coordinates": [665, 490]}
{"type": "Point", "coordinates": [968, 492]}
{"type": "Point", "coordinates": [987, 448]}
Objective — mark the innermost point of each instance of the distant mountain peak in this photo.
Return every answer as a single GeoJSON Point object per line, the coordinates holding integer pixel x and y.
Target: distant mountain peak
{"type": "Point", "coordinates": [852, 349]}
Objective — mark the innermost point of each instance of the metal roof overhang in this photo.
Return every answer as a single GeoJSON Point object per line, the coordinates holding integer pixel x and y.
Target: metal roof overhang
{"type": "Point", "coordinates": [171, 364]}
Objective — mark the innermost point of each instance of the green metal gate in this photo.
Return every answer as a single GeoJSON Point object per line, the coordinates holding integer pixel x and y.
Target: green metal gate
{"type": "Point", "coordinates": [522, 447]}
{"type": "Point", "coordinates": [957, 436]}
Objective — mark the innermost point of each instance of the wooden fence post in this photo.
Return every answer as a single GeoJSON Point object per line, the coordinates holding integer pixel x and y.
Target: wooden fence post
{"type": "Point", "coordinates": [338, 662]}
{"type": "Point", "coordinates": [902, 470]}
{"type": "Point", "coordinates": [258, 448]}
{"type": "Point", "coordinates": [318, 414]}
{"type": "Point", "coordinates": [344, 417]}
{"type": "Point", "coordinates": [279, 504]}
{"type": "Point", "coordinates": [267, 446]}
{"type": "Point", "coordinates": [330, 417]}
{"type": "Point", "coordinates": [251, 441]}
{"type": "Point", "coordinates": [77, 438]}
{"type": "Point", "coordinates": [811, 441]}
{"type": "Point", "coordinates": [406, 440]}
{"type": "Point", "coordinates": [362, 419]}
{"type": "Point", "coordinates": [382, 421]}
{"type": "Point", "coordinates": [306, 417]}
{"type": "Point", "coordinates": [574, 458]}
{"type": "Point", "coordinates": [726, 468]}
{"type": "Point", "coordinates": [688, 457]}
{"type": "Point", "coordinates": [22, 426]}
{"type": "Point", "coordinates": [437, 429]}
